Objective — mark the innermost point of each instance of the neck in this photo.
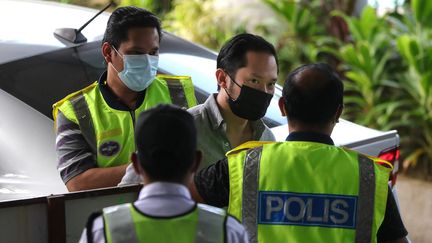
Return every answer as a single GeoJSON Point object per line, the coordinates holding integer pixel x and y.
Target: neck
{"type": "Point", "coordinates": [123, 93]}
{"type": "Point", "coordinates": [326, 129]}
{"type": "Point", "coordinates": [183, 181]}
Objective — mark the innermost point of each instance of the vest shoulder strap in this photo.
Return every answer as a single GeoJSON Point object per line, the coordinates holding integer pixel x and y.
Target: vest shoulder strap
{"type": "Point", "coordinates": [181, 90]}
{"type": "Point", "coordinates": [211, 224]}
{"type": "Point", "coordinates": [85, 120]}
{"type": "Point", "coordinates": [119, 225]}
{"type": "Point", "coordinates": [376, 160]}
{"type": "Point", "coordinates": [59, 103]}
{"type": "Point", "coordinates": [247, 145]}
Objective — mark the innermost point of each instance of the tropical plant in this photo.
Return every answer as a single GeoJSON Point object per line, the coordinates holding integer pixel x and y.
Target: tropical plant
{"type": "Point", "coordinates": [365, 63]}
{"type": "Point", "coordinates": [304, 35]}
{"type": "Point", "coordinates": [202, 22]}
{"type": "Point", "coordinates": [415, 48]}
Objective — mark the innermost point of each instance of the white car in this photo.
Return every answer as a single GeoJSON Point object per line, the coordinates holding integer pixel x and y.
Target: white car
{"type": "Point", "coordinates": [38, 69]}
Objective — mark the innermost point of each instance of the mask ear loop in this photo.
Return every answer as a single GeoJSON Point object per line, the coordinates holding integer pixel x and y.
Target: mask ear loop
{"type": "Point", "coordinates": [234, 82]}
{"type": "Point", "coordinates": [119, 55]}
{"type": "Point", "coordinates": [117, 51]}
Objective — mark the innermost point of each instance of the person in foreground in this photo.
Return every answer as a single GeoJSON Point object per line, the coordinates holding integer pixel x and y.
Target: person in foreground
{"type": "Point", "coordinates": [94, 126]}
{"type": "Point", "coordinates": [305, 189]}
{"type": "Point", "coordinates": [166, 159]}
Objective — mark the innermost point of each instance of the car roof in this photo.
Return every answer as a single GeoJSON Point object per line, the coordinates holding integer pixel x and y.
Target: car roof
{"type": "Point", "coordinates": [32, 32]}
{"type": "Point", "coordinates": [35, 20]}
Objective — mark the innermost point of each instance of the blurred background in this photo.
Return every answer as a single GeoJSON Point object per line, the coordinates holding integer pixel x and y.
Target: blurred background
{"type": "Point", "coordinates": [381, 48]}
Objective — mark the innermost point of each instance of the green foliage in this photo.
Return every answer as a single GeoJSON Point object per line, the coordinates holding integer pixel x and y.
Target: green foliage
{"type": "Point", "coordinates": [304, 34]}
{"type": "Point", "coordinates": [416, 50]}
{"type": "Point", "coordinates": [200, 22]}
{"type": "Point", "coordinates": [422, 11]}
{"type": "Point", "coordinates": [388, 76]}
{"type": "Point", "coordinates": [159, 7]}
{"type": "Point", "coordinates": [364, 64]}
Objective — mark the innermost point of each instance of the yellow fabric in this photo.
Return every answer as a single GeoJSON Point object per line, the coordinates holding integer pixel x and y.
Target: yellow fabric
{"type": "Point", "coordinates": [178, 229]}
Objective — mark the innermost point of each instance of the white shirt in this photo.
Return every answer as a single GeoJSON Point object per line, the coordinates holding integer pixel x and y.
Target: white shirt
{"type": "Point", "coordinates": [166, 200]}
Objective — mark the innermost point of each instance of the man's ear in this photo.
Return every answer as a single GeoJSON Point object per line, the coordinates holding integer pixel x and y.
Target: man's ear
{"type": "Point", "coordinates": [135, 163]}
{"type": "Point", "coordinates": [282, 106]}
{"type": "Point", "coordinates": [197, 162]}
{"type": "Point", "coordinates": [221, 78]}
{"type": "Point", "coordinates": [107, 51]}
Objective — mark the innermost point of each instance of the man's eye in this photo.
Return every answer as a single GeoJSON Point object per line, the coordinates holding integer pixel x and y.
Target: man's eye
{"type": "Point", "coordinates": [154, 53]}
{"type": "Point", "coordinates": [254, 81]}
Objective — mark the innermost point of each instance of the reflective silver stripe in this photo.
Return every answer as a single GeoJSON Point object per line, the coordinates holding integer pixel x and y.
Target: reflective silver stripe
{"type": "Point", "coordinates": [211, 224]}
{"type": "Point", "coordinates": [250, 192]}
{"type": "Point", "coordinates": [365, 208]}
{"type": "Point", "coordinates": [85, 121]}
{"type": "Point", "coordinates": [120, 224]}
{"type": "Point", "coordinates": [177, 93]}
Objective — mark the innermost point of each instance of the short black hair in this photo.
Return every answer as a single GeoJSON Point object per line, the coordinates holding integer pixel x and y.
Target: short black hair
{"type": "Point", "coordinates": [312, 94]}
{"type": "Point", "coordinates": [232, 55]}
{"type": "Point", "coordinates": [165, 138]}
{"type": "Point", "coordinates": [125, 18]}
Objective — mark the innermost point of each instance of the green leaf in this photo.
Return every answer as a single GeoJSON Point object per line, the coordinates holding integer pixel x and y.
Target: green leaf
{"type": "Point", "coordinates": [422, 10]}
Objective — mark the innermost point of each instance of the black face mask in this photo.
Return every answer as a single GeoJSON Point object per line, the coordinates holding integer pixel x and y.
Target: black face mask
{"type": "Point", "coordinates": [251, 104]}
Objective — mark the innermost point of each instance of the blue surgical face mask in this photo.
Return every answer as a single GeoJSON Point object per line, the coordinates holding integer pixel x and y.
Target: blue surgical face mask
{"type": "Point", "coordinates": [139, 71]}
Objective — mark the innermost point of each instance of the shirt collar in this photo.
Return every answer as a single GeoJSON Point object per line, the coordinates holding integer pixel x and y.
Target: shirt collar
{"type": "Point", "coordinates": [216, 119]}
{"type": "Point", "coordinates": [212, 109]}
{"type": "Point", "coordinates": [111, 99]}
{"type": "Point", "coordinates": [164, 188]}
{"type": "Point", "coordinates": [310, 137]}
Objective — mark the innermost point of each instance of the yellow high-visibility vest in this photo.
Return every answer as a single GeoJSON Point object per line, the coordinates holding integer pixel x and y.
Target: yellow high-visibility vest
{"type": "Point", "coordinates": [124, 223]}
{"type": "Point", "coordinates": [306, 192]}
{"type": "Point", "coordinates": [110, 132]}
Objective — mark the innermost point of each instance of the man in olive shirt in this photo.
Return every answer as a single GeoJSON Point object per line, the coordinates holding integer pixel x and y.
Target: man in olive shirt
{"type": "Point", "coordinates": [246, 75]}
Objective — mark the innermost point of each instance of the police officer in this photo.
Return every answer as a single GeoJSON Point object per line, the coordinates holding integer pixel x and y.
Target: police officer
{"type": "Point", "coordinates": [94, 126]}
{"type": "Point", "coordinates": [166, 159]}
{"type": "Point", "coordinates": [305, 189]}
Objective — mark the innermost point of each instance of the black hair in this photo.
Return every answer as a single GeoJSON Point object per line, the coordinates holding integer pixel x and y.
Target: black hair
{"type": "Point", "coordinates": [125, 18]}
{"type": "Point", "coordinates": [165, 138]}
{"type": "Point", "coordinates": [312, 94]}
{"type": "Point", "coordinates": [232, 55]}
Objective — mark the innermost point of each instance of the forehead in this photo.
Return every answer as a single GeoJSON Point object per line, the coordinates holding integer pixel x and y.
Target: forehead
{"type": "Point", "coordinates": [260, 63]}
{"type": "Point", "coordinates": [141, 37]}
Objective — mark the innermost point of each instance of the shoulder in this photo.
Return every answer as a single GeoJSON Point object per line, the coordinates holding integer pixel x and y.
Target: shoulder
{"type": "Point", "coordinates": [197, 111]}
{"type": "Point", "coordinates": [95, 225]}
{"type": "Point", "coordinates": [77, 93]}
{"type": "Point", "coordinates": [267, 134]}
{"type": "Point", "coordinates": [64, 103]}
{"type": "Point", "coordinates": [235, 231]}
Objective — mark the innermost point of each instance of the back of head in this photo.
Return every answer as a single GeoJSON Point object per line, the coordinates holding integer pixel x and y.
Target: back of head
{"type": "Point", "coordinates": [125, 18]}
{"type": "Point", "coordinates": [312, 94]}
{"type": "Point", "coordinates": [232, 55]}
{"type": "Point", "coordinates": [165, 138]}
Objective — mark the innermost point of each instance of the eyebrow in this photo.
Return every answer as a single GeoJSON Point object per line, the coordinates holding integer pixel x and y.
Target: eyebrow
{"type": "Point", "coordinates": [139, 49]}
{"type": "Point", "coordinates": [260, 77]}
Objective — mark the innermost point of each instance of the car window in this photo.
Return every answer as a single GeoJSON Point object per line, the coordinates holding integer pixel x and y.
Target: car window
{"type": "Point", "coordinates": [44, 79]}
